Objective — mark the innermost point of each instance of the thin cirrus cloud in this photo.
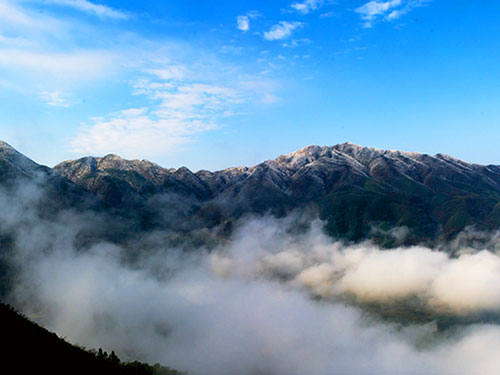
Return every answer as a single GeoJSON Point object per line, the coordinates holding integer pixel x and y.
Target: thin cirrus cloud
{"type": "Point", "coordinates": [175, 72]}
{"type": "Point", "coordinates": [54, 99]}
{"type": "Point", "coordinates": [101, 11]}
{"type": "Point", "coordinates": [15, 19]}
{"type": "Point", "coordinates": [58, 65]}
{"type": "Point", "coordinates": [282, 30]}
{"type": "Point", "coordinates": [30, 45]}
{"type": "Point", "coordinates": [386, 10]}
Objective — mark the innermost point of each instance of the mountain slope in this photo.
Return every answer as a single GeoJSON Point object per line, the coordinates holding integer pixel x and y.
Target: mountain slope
{"type": "Point", "coordinates": [355, 189]}
{"type": "Point", "coordinates": [58, 192]}
{"type": "Point", "coordinates": [29, 348]}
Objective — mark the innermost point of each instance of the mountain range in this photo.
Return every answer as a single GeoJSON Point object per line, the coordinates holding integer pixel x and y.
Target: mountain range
{"type": "Point", "coordinates": [359, 192]}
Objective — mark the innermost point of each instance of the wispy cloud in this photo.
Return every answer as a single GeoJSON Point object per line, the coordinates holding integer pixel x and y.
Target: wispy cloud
{"type": "Point", "coordinates": [181, 110]}
{"type": "Point", "coordinates": [174, 95]}
{"type": "Point", "coordinates": [171, 72]}
{"type": "Point", "coordinates": [297, 42]}
{"type": "Point", "coordinates": [101, 11]}
{"type": "Point", "coordinates": [373, 9]}
{"type": "Point", "coordinates": [269, 99]}
{"type": "Point", "coordinates": [306, 6]}
{"type": "Point", "coordinates": [395, 14]}
{"type": "Point", "coordinates": [54, 99]}
{"type": "Point", "coordinates": [386, 10]}
{"type": "Point", "coordinates": [42, 48]}
{"type": "Point", "coordinates": [282, 30]}
{"type": "Point", "coordinates": [79, 65]}
{"type": "Point", "coordinates": [184, 101]}
{"type": "Point", "coordinates": [327, 15]}
{"type": "Point", "coordinates": [16, 19]}
{"type": "Point", "coordinates": [134, 132]}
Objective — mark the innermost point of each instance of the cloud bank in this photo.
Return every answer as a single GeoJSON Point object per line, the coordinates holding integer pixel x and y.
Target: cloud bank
{"type": "Point", "coordinates": [271, 300]}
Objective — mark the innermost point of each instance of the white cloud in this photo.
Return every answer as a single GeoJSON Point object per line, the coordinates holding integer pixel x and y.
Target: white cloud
{"type": "Point", "coordinates": [253, 14]}
{"type": "Point", "coordinates": [16, 42]}
{"type": "Point", "coordinates": [19, 20]}
{"type": "Point", "coordinates": [181, 112]}
{"type": "Point", "coordinates": [43, 55]}
{"type": "Point", "coordinates": [171, 72]}
{"type": "Point", "coordinates": [54, 98]}
{"type": "Point", "coordinates": [269, 98]}
{"type": "Point", "coordinates": [297, 42]}
{"type": "Point", "coordinates": [386, 10]}
{"type": "Point", "coordinates": [373, 9]}
{"type": "Point", "coordinates": [227, 49]}
{"type": "Point", "coordinates": [213, 295]}
{"type": "Point", "coordinates": [282, 30]}
{"type": "Point", "coordinates": [306, 6]}
{"type": "Point", "coordinates": [195, 100]}
{"type": "Point", "coordinates": [327, 15]}
{"type": "Point", "coordinates": [395, 14]}
{"type": "Point", "coordinates": [180, 109]}
{"type": "Point", "coordinates": [12, 15]}
{"type": "Point", "coordinates": [243, 23]}
{"type": "Point", "coordinates": [78, 65]}
{"type": "Point", "coordinates": [101, 11]}
{"type": "Point", "coordinates": [133, 132]}
{"type": "Point", "coordinates": [39, 49]}
{"type": "Point", "coordinates": [133, 112]}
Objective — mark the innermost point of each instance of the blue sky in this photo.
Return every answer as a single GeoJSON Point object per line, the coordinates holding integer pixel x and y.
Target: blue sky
{"type": "Point", "coordinates": [212, 84]}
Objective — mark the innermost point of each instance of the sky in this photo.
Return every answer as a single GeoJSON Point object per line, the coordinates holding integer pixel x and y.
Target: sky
{"type": "Point", "coordinates": [214, 84]}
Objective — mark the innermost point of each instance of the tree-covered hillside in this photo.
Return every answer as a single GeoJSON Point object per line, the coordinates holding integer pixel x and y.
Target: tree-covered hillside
{"type": "Point", "coordinates": [27, 348]}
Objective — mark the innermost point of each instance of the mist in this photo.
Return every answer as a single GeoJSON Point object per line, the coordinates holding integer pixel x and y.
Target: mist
{"type": "Point", "coordinates": [270, 300]}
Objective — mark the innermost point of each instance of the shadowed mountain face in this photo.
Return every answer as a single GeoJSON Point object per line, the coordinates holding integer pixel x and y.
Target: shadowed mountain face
{"type": "Point", "coordinates": [358, 191]}
{"type": "Point", "coordinates": [29, 348]}
{"type": "Point", "coordinates": [59, 193]}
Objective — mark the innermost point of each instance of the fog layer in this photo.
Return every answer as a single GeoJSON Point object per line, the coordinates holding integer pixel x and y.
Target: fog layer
{"type": "Point", "coordinates": [269, 301]}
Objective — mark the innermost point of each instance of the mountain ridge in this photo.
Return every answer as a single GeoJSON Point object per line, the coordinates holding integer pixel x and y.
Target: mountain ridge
{"type": "Point", "coordinates": [355, 156]}
{"type": "Point", "coordinates": [301, 151]}
{"type": "Point", "coordinates": [357, 191]}
{"type": "Point", "coordinates": [353, 188]}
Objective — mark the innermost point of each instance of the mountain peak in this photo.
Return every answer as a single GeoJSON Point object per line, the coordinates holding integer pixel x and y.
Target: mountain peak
{"type": "Point", "coordinates": [11, 157]}
{"type": "Point", "coordinates": [5, 145]}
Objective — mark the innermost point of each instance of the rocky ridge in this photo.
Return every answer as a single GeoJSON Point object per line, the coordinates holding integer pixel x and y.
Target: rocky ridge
{"type": "Point", "coordinates": [353, 188]}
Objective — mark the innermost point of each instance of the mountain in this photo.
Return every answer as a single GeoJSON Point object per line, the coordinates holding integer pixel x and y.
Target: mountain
{"type": "Point", "coordinates": [28, 348]}
{"type": "Point", "coordinates": [358, 191]}
{"type": "Point", "coordinates": [16, 169]}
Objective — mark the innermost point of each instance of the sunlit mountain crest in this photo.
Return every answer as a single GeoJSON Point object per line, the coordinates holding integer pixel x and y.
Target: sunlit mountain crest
{"type": "Point", "coordinates": [353, 189]}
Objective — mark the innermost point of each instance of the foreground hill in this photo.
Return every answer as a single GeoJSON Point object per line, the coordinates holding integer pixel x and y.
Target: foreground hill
{"type": "Point", "coordinates": [28, 349]}
{"type": "Point", "coordinates": [358, 191]}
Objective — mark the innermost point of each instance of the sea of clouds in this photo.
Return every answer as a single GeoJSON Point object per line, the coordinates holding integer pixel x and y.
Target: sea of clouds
{"type": "Point", "coordinates": [267, 301]}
